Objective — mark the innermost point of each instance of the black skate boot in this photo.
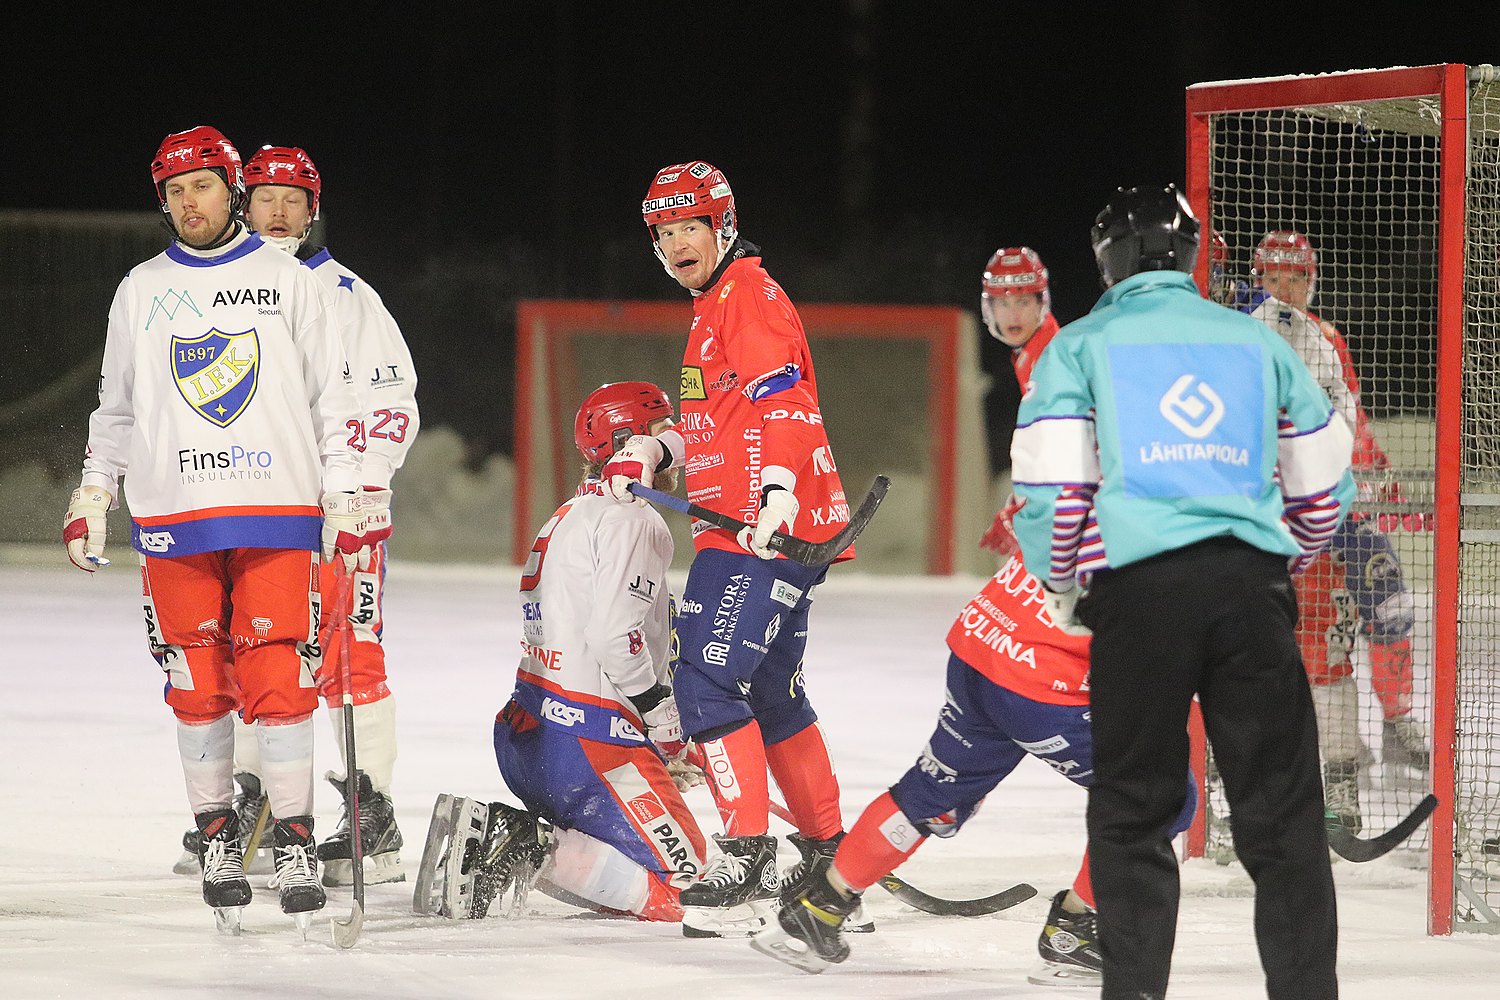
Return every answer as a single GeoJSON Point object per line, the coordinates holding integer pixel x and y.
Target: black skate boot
{"type": "Point", "coordinates": [1404, 744]}
{"type": "Point", "coordinates": [817, 857]}
{"type": "Point", "coordinates": [252, 817]}
{"type": "Point", "coordinates": [296, 877]}
{"type": "Point", "coordinates": [1069, 947]}
{"type": "Point", "coordinates": [1341, 793]}
{"type": "Point", "coordinates": [379, 839]}
{"type": "Point", "coordinates": [225, 886]}
{"type": "Point", "coordinates": [809, 930]}
{"type": "Point", "coordinates": [515, 844]}
{"type": "Point", "coordinates": [738, 892]}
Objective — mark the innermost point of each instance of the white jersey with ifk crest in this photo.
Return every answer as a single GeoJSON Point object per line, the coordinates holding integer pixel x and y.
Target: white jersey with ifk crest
{"type": "Point", "coordinates": [379, 364]}
{"type": "Point", "coordinates": [596, 616]}
{"type": "Point", "coordinates": [223, 402]}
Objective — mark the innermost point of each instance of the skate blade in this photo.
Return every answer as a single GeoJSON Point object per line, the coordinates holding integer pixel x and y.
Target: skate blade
{"type": "Point", "coordinates": [228, 920]}
{"type": "Point", "coordinates": [380, 869]}
{"type": "Point", "coordinates": [784, 948]}
{"type": "Point", "coordinates": [442, 888]}
{"type": "Point", "coordinates": [728, 922]}
{"type": "Point", "coordinates": [1061, 974]}
{"type": "Point", "coordinates": [303, 921]}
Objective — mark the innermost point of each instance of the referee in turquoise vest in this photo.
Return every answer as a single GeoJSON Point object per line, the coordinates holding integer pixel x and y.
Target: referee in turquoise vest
{"type": "Point", "coordinates": [1176, 461]}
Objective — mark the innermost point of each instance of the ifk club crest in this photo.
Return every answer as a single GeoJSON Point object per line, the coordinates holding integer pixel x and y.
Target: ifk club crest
{"type": "Point", "coordinates": [217, 373]}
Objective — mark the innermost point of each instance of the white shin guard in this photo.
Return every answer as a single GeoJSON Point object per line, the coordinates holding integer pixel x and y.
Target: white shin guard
{"type": "Point", "coordinates": [286, 757]}
{"type": "Point", "coordinates": [207, 753]}
{"type": "Point", "coordinates": [374, 740]}
{"type": "Point", "coordinates": [246, 748]}
{"type": "Point", "coordinates": [596, 871]}
{"type": "Point", "coordinates": [1337, 708]}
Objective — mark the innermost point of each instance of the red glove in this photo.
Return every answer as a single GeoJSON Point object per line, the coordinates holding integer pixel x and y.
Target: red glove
{"type": "Point", "coordinates": [1001, 538]}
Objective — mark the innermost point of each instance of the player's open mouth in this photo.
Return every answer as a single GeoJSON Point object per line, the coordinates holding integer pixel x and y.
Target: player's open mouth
{"type": "Point", "coordinates": [683, 265]}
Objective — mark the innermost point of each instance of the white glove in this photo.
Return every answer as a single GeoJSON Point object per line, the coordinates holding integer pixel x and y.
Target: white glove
{"type": "Point", "coordinates": [353, 522]}
{"type": "Point", "coordinates": [83, 527]}
{"type": "Point", "coordinates": [663, 724]}
{"type": "Point", "coordinates": [778, 511]}
{"type": "Point", "coordinates": [637, 462]}
{"type": "Point", "coordinates": [1060, 607]}
{"type": "Point", "coordinates": [684, 773]}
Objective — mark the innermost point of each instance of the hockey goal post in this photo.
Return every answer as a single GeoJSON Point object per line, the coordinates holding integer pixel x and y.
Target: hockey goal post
{"type": "Point", "coordinates": [1394, 175]}
{"type": "Point", "coordinates": [900, 390]}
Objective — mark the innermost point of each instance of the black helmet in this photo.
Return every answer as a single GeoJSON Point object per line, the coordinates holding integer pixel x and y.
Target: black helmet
{"type": "Point", "coordinates": [1144, 229]}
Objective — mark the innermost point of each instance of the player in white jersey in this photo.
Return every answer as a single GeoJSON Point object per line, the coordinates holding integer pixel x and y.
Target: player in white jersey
{"type": "Point", "coordinates": [591, 728]}
{"type": "Point", "coordinates": [284, 196]}
{"type": "Point", "coordinates": [223, 403]}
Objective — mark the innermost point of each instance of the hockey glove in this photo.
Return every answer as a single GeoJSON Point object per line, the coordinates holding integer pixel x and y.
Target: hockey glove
{"type": "Point", "coordinates": [352, 522]}
{"type": "Point", "coordinates": [778, 511]}
{"type": "Point", "coordinates": [1001, 538]}
{"type": "Point", "coordinates": [659, 715]}
{"type": "Point", "coordinates": [638, 461]}
{"type": "Point", "coordinates": [83, 527]}
{"type": "Point", "coordinates": [1060, 608]}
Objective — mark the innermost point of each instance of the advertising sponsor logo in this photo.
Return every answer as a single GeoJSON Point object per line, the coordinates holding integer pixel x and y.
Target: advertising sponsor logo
{"type": "Point", "coordinates": [168, 303]}
{"type": "Point", "coordinates": [726, 382]}
{"type": "Point", "coordinates": [784, 593]}
{"type": "Point", "coordinates": [716, 652]}
{"type": "Point", "coordinates": [262, 626]}
{"type": "Point", "coordinates": [621, 729]}
{"type": "Point", "coordinates": [692, 384]}
{"type": "Point", "coordinates": [247, 297]}
{"type": "Point", "coordinates": [157, 541]}
{"type": "Point", "coordinates": [898, 832]}
{"type": "Point", "coordinates": [668, 202]}
{"type": "Point", "coordinates": [563, 715]}
{"type": "Point", "coordinates": [690, 607]}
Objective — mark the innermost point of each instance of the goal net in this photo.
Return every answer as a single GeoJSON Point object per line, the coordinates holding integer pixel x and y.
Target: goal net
{"type": "Point", "coordinates": [900, 392]}
{"type": "Point", "coordinates": [1394, 178]}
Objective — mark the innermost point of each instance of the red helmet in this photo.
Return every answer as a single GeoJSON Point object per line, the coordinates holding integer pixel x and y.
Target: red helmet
{"type": "Point", "coordinates": [686, 191]}
{"type": "Point", "coordinates": [1013, 271]}
{"type": "Point", "coordinates": [614, 412]}
{"type": "Point", "coordinates": [286, 165]}
{"type": "Point", "coordinates": [1287, 250]}
{"type": "Point", "coordinates": [201, 148]}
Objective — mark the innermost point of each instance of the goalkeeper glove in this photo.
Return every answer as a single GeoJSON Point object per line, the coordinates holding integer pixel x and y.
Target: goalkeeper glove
{"type": "Point", "coordinates": [84, 525]}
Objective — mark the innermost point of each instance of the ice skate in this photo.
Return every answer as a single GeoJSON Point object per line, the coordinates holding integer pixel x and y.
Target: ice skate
{"type": "Point", "coordinates": [817, 857]}
{"type": "Point", "coordinates": [474, 854]}
{"type": "Point", "coordinates": [1404, 744]}
{"type": "Point", "coordinates": [1341, 793]}
{"type": "Point", "coordinates": [225, 886]}
{"type": "Point", "coordinates": [515, 845]}
{"type": "Point", "coordinates": [737, 894]}
{"type": "Point", "coordinates": [252, 816]}
{"type": "Point", "coordinates": [296, 877]}
{"type": "Point", "coordinates": [808, 932]}
{"type": "Point", "coordinates": [1069, 948]}
{"type": "Point", "coordinates": [380, 839]}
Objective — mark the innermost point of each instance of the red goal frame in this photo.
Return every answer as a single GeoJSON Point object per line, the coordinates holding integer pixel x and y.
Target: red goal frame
{"type": "Point", "coordinates": [1448, 85]}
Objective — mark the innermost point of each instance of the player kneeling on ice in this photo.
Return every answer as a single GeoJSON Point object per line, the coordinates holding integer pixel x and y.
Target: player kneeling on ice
{"type": "Point", "coordinates": [1017, 683]}
{"type": "Point", "coordinates": [590, 739]}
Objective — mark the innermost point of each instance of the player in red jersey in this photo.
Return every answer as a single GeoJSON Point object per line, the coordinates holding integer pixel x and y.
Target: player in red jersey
{"type": "Point", "coordinates": [752, 444]}
{"type": "Point", "coordinates": [1357, 586]}
{"type": "Point", "coordinates": [1016, 684]}
{"type": "Point", "coordinates": [1015, 299]}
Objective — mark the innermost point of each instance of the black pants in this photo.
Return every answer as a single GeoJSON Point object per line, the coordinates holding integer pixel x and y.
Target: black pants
{"type": "Point", "coordinates": [1214, 619]}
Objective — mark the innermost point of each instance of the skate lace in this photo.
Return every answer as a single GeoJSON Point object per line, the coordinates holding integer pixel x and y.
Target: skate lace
{"type": "Point", "coordinates": [294, 866]}
{"type": "Point", "coordinates": [725, 870]}
{"type": "Point", "coordinates": [220, 863]}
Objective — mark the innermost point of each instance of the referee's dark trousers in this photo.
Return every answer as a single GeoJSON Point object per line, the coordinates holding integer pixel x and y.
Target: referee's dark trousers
{"type": "Point", "coordinates": [1214, 619]}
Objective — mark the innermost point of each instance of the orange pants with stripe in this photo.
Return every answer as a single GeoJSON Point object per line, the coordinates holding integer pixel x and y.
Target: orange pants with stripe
{"type": "Point", "coordinates": [234, 630]}
{"type": "Point", "coordinates": [367, 616]}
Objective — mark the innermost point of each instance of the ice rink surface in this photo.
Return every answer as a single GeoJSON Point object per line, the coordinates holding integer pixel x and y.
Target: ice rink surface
{"type": "Point", "coordinates": [94, 811]}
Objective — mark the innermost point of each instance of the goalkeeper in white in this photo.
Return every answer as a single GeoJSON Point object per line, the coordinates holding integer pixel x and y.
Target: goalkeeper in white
{"type": "Point", "coordinates": [590, 737]}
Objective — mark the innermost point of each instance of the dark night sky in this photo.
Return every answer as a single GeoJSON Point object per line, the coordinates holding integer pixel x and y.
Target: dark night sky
{"type": "Point", "coordinates": [546, 121]}
{"type": "Point", "coordinates": [527, 134]}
